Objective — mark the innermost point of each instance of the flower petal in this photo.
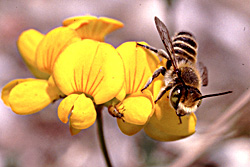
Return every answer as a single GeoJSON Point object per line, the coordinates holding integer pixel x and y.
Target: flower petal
{"type": "Point", "coordinates": [92, 67]}
{"type": "Point", "coordinates": [77, 24]}
{"type": "Point", "coordinates": [52, 45]}
{"type": "Point", "coordinates": [97, 28]}
{"type": "Point", "coordinates": [137, 108]}
{"type": "Point", "coordinates": [66, 106]}
{"type": "Point", "coordinates": [164, 124]}
{"type": "Point", "coordinates": [83, 114]}
{"type": "Point", "coordinates": [152, 58]}
{"type": "Point", "coordinates": [72, 20]}
{"type": "Point", "coordinates": [27, 44]}
{"type": "Point", "coordinates": [127, 128]}
{"type": "Point", "coordinates": [32, 96]}
{"type": "Point", "coordinates": [172, 131]}
{"type": "Point", "coordinates": [8, 87]}
{"type": "Point", "coordinates": [136, 62]}
{"type": "Point", "coordinates": [81, 111]}
{"type": "Point", "coordinates": [122, 94]}
{"type": "Point", "coordinates": [74, 131]}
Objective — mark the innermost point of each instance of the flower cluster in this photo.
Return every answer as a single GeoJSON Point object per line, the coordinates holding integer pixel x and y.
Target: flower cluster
{"type": "Point", "coordinates": [74, 63]}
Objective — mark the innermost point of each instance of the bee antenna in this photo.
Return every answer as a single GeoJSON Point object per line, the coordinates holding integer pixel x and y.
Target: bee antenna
{"type": "Point", "coordinates": [212, 95]}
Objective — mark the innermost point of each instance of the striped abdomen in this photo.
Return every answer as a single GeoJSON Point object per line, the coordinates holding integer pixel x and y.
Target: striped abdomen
{"type": "Point", "coordinates": [185, 46]}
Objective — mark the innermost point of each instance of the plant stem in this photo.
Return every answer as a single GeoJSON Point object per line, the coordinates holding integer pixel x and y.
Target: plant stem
{"type": "Point", "coordinates": [101, 135]}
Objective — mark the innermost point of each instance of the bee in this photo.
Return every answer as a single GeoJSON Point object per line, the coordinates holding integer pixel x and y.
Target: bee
{"type": "Point", "coordinates": [183, 76]}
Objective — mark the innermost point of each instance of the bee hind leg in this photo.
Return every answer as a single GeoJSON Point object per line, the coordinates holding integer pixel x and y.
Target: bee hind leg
{"type": "Point", "coordinates": [148, 47]}
{"type": "Point", "coordinates": [160, 52]}
{"type": "Point", "coordinates": [157, 72]}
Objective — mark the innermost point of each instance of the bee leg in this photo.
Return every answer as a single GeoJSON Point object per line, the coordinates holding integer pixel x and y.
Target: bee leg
{"type": "Point", "coordinates": [163, 91]}
{"type": "Point", "coordinates": [180, 119]}
{"type": "Point", "coordinates": [160, 52]}
{"type": "Point", "coordinates": [163, 54]}
{"type": "Point", "coordinates": [157, 72]}
{"type": "Point", "coordinates": [148, 47]}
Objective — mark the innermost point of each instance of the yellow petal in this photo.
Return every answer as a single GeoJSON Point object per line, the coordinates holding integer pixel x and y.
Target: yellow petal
{"type": "Point", "coordinates": [83, 114]}
{"type": "Point", "coordinates": [97, 28]}
{"type": "Point", "coordinates": [137, 108]}
{"type": "Point", "coordinates": [136, 62]}
{"type": "Point", "coordinates": [66, 106]}
{"type": "Point", "coordinates": [27, 44]}
{"type": "Point", "coordinates": [127, 128]}
{"type": "Point", "coordinates": [164, 125]}
{"type": "Point", "coordinates": [79, 109]}
{"type": "Point", "coordinates": [52, 45]}
{"type": "Point", "coordinates": [74, 131]}
{"type": "Point", "coordinates": [157, 85]}
{"type": "Point", "coordinates": [31, 96]}
{"type": "Point", "coordinates": [122, 94]}
{"type": "Point", "coordinates": [152, 58]}
{"type": "Point", "coordinates": [71, 20]}
{"type": "Point", "coordinates": [172, 131]}
{"type": "Point", "coordinates": [53, 90]}
{"type": "Point", "coordinates": [77, 24]}
{"type": "Point", "coordinates": [8, 87]}
{"type": "Point", "coordinates": [92, 67]}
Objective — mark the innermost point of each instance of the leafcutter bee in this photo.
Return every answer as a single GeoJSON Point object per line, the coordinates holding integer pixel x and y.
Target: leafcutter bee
{"type": "Point", "coordinates": [183, 76]}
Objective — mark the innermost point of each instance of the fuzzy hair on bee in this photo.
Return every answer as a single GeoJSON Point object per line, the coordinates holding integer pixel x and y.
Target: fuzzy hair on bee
{"type": "Point", "coordinates": [183, 76]}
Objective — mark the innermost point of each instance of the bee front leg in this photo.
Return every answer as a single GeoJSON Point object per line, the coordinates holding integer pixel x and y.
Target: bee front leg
{"type": "Point", "coordinates": [157, 72]}
{"type": "Point", "coordinates": [163, 91]}
{"type": "Point", "coordinates": [180, 119]}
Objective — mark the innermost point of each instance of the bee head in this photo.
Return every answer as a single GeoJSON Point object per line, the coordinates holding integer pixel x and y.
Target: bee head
{"type": "Point", "coordinates": [183, 99]}
{"type": "Point", "coordinates": [186, 99]}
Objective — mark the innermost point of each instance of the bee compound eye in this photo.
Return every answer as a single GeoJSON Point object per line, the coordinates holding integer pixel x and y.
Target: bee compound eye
{"type": "Point", "coordinates": [175, 97]}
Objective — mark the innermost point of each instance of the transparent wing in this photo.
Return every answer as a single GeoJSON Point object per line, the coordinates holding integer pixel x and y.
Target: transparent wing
{"type": "Point", "coordinates": [203, 73]}
{"type": "Point", "coordinates": [164, 34]}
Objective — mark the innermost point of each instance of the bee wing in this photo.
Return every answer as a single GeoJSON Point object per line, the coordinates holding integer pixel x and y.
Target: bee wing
{"type": "Point", "coordinates": [204, 73]}
{"type": "Point", "coordinates": [164, 34]}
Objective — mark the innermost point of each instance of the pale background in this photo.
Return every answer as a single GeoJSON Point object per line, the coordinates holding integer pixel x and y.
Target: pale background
{"type": "Point", "coordinates": [222, 29]}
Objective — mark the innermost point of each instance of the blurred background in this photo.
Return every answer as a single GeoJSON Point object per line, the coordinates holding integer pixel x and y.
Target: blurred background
{"type": "Point", "coordinates": [222, 29]}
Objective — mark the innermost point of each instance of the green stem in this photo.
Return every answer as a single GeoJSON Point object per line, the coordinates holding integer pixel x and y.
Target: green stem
{"type": "Point", "coordinates": [101, 135]}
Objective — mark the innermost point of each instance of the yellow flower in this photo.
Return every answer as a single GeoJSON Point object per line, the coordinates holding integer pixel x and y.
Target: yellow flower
{"type": "Point", "coordinates": [40, 52]}
{"type": "Point", "coordinates": [164, 124]}
{"type": "Point", "coordinates": [72, 61]}
{"type": "Point", "coordinates": [97, 28]}
{"type": "Point", "coordinates": [27, 44]}
{"type": "Point", "coordinates": [27, 96]}
{"type": "Point", "coordinates": [89, 72]}
{"type": "Point", "coordinates": [81, 110]}
{"type": "Point", "coordinates": [137, 107]}
{"type": "Point", "coordinates": [52, 46]}
{"type": "Point", "coordinates": [161, 123]}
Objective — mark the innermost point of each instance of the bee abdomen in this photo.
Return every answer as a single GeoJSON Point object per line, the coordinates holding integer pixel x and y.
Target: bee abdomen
{"type": "Point", "coordinates": [185, 46]}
